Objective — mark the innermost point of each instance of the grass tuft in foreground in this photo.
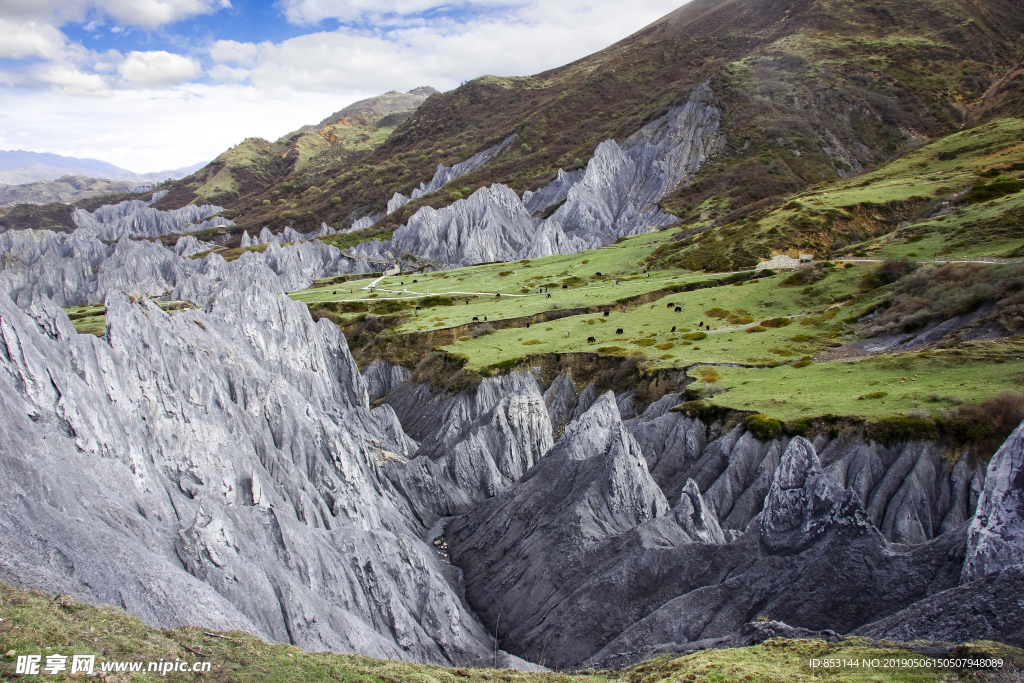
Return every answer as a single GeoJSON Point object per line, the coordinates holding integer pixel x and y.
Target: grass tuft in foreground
{"type": "Point", "coordinates": [34, 623]}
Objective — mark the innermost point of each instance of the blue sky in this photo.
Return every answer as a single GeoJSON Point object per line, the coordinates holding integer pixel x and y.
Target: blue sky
{"type": "Point", "coordinates": [158, 84]}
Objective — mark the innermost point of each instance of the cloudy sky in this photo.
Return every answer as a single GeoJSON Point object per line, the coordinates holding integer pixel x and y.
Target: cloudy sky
{"type": "Point", "coordinates": [159, 84]}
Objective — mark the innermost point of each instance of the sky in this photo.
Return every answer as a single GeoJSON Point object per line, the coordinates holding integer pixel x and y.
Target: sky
{"type": "Point", "coordinates": [153, 85]}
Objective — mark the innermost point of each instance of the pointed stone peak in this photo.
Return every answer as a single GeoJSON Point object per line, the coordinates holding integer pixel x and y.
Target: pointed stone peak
{"type": "Point", "coordinates": [803, 504]}
{"type": "Point", "coordinates": [695, 517]}
{"type": "Point", "coordinates": [995, 539]}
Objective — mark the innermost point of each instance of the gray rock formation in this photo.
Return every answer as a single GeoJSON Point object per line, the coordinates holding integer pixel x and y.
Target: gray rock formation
{"type": "Point", "coordinates": [988, 608]}
{"type": "Point", "coordinates": [553, 193]}
{"type": "Point", "coordinates": [382, 377]}
{"type": "Point", "coordinates": [616, 196]}
{"type": "Point", "coordinates": [288, 235]}
{"type": "Point", "coordinates": [996, 537]}
{"type": "Point", "coordinates": [79, 269]}
{"type": "Point", "coordinates": [487, 457]}
{"type": "Point", "coordinates": [586, 563]}
{"type": "Point", "coordinates": [910, 492]}
{"type": "Point", "coordinates": [187, 245]}
{"type": "Point", "coordinates": [560, 399]}
{"type": "Point", "coordinates": [225, 474]}
{"type": "Point", "coordinates": [445, 174]}
{"type": "Point", "coordinates": [137, 218]}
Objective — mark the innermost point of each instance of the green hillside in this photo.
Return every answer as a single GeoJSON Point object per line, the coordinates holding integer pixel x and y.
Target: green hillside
{"type": "Point", "coordinates": [811, 91]}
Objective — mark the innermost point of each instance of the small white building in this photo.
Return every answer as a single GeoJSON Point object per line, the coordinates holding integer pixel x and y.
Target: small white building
{"type": "Point", "coordinates": [780, 262]}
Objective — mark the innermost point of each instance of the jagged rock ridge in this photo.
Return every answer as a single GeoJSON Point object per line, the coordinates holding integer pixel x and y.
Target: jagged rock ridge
{"type": "Point", "coordinates": [616, 196]}
{"type": "Point", "coordinates": [234, 442]}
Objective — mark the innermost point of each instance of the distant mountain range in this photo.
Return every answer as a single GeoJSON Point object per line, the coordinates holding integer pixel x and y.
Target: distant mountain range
{"type": "Point", "coordinates": [18, 167]}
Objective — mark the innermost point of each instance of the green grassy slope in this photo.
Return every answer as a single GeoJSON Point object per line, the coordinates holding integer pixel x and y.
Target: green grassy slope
{"type": "Point", "coordinates": [918, 205]}
{"type": "Point", "coordinates": [34, 623]}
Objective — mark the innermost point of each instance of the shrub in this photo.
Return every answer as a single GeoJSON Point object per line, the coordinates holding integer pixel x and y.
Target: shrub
{"type": "Point", "coordinates": [335, 200]}
{"type": "Point", "coordinates": [708, 375]}
{"type": "Point", "coordinates": [695, 336]}
{"type": "Point", "coordinates": [763, 428]}
{"type": "Point", "coordinates": [353, 306]}
{"type": "Point", "coordinates": [481, 330]}
{"type": "Point", "coordinates": [757, 328]}
{"type": "Point", "coordinates": [740, 319]}
{"type": "Point", "coordinates": [708, 413]}
{"type": "Point", "coordinates": [645, 342]}
{"type": "Point", "coordinates": [776, 322]}
{"type": "Point", "coordinates": [505, 273]}
{"type": "Point", "coordinates": [666, 346]}
{"type": "Point", "coordinates": [429, 301]}
{"type": "Point", "coordinates": [266, 202]}
{"type": "Point", "coordinates": [611, 350]}
{"type": "Point", "coordinates": [719, 313]}
{"type": "Point", "coordinates": [967, 425]}
{"type": "Point", "coordinates": [385, 307]}
{"type": "Point", "coordinates": [532, 342]}
{"type": "Point", "coordinates": [998, 188]}
{"type": "Point", "coordinates": [899, 429]}
{"type": "Point", "coordinates": [807, 275]}
{"type": "Point", "coordinates": [873, 394]}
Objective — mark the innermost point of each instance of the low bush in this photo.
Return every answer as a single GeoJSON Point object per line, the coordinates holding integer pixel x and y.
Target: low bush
{"type": "Point", "coordinates": [695, 336]}
{"type": "Point", "coordinates": [481, 330]}
{"type": "Point", "coordinates": [890, 431]}
{"type": "Point", "coordinates": [757, 328]}
{"type": "Point", "coordinates": [999, 188]}
{"type": "Point", "coordinates": [776, 322]}
{"type": "Point", "coordinates": [716, 312]}
{"type": "Point", "coordinates": [763, 428]}
{"type": "Point", "coordinates": [807, 275]}
{"type": "Point", "coordinates": [430, 301]}
{"type": "Point", "coordinates": [708, 413]}
{"type": "Point", "coordinates": [532, 342]}
{"type": "Point", "coordinates": [873, 394]}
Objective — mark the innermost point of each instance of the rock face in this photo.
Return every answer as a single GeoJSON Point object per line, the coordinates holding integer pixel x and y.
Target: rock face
{"type": "Point", "coordinates": [137, 218]}
{"type": "Point", "coordinates": [803, 504]}
{"type": "Point", "coordinates": [996, 537]}
{"type": "Point", "coordinates": [909, 492]}
{"type": "Point", "coordinates": [988, 608]}
{"type": "Point", "coordinates": [487, 457]}
{"type": "Point", "coordinates": [79, 269]}
{"type": "Point", "coordinates": [616, 196]}
{"type": "Point", "coordinates": [446, 174]}
{"type": "Point", "coordinates": [586, 563]}
{"type": "Point", "coordinates": [287, 235]}
{"type": "Point", "coordinates": [225, 475]}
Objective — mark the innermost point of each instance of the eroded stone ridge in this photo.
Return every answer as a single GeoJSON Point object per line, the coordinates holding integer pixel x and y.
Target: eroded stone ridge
{"type": "Point", "coordinates": [996, 537]}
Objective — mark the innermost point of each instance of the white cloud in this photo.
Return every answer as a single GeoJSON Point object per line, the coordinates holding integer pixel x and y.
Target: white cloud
{"type": "Point", "coordinates": [26, 39]}
{"type": "Point", "coordinates": [155, 13]}
{"type": "Point", "coordinates": [158, 68]}
{"type": "Point", "coordinates": [242, 54]}
{"type": "Point", "coordinates": [267, 89]}
{"type": "Point", "coordinates": [74, 81]}
{"type": "Point", "coordinates": [442, 53]}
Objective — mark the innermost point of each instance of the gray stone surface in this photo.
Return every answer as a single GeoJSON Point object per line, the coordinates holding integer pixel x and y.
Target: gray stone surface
{"type": "Point", "coordinates": [989, 608]}
{"type": "Point", "coordinates": [560, 399]}
{"type": "Point", "coordinates": [226, 475]}
{"type": "Point", "coordinates": [485, 458]}
{"type": "Point", "coordinates": [79, 269]}
{"type": "Point", "coordinates": [996, 537]}
{"type": "Point", "coordinates": [616, 196]}
{"type": "Point", "coordinates": [137, 218]}
{"type": "Point", "coordinates": [587, 564]}
{"type": "Point", "coordinates": [381, 377]}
